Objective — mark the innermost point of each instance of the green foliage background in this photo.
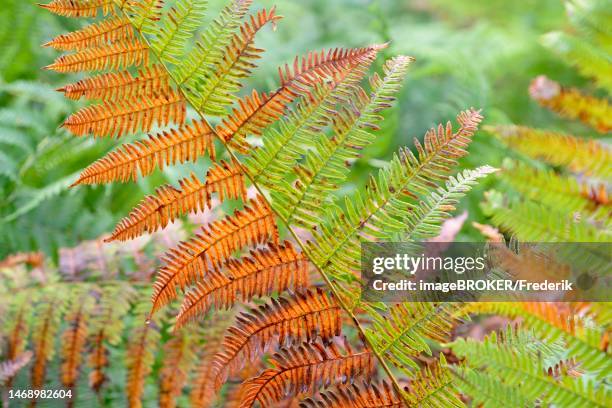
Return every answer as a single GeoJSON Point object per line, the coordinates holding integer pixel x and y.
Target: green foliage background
{"type": "Point", "coordinates": [480, 54]}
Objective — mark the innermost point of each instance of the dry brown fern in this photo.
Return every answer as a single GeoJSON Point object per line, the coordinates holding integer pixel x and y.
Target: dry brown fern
{"type": "Point", "coordinates": [82, 8]}
{"type": "Point", "coordinates": [170, 147]}
{"type": "Point", "coordinates": [169, 203]}
{"type": "Point", "coordinates": [288, 320]}
{"type": "Point", "coordinates": [115, 119]}
{"type": "Point", "coordinates": [178, 358]}
{"type": "Point", "coordinates": [121, 85]}
{"type": "Point", "coordinates": [304, 370]}
{"type": "Point", "coordinates": [106, 31]}
{"type": "Point", "coordinates": [269, 270]}
{"type": "Point", "coordinates": [211, 247]}
{"type": "Point", "coordinates": [43, 337]}
{"type": "Point", "coordinates": [73, 341]}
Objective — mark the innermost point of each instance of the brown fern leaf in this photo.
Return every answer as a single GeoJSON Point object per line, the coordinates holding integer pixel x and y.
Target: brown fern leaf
{"type": "Point", "coordinates": [107, 57]}
{"type": "Point", "coordinates": [169, 203]}
{"type": "Point", "coordinates": [256, 112]}
{"type": "Point", "coordinates": [115, 119]}
{"type": "Point", "coordinates": [288, 320]}
{"type": "Point", "coordinates": [139, 360]}
{"type": "Point", "coordinates": [178, 356]}
{"type": "Point", "coordinates": [143, 12]}
{"type": "Point", "coordinates": [164, 149]}
{"type": "Point", "coordinates": [73, 344]}
{"type": "Point", "coordinates": [10, 367]}
{"type": "Point", "coordinates": [79, 8]}
{"type": "Point", "coordinates": [18, 336]}
{"type": "Point", "coordinates": [106, 31]}
{"type": "Point", "coordinates": [112, 86]}
{"type": "Point", "coordinates": [209, 249]}
{"type": "Point", "coordinates": [304, 370]}
{"type": "Point", "coordinates": [364, 396]}
{"type": "Point", "coordinates": [267, 271]}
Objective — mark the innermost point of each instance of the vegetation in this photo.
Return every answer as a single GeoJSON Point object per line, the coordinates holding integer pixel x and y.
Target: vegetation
{"type": "Point", "coordinates": [261, 305]}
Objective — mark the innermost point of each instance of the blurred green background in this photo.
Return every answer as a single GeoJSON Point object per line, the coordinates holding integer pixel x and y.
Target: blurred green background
{"type": "Point", "coordinates": [468, 53]}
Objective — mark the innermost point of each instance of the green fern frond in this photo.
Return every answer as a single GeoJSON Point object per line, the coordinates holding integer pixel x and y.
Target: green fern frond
{"type": "Point", "coordinates": [380, 212]}
{"type": "Point", "coordinates": [143, 13]}
{"type": "Point", "coordinates": [404, 330]}
{"type": "Point", "coordinates": [209, 51]}
{"type": "Point", "coordinates": [326, 166]}
{"type": "Point", "coordinates": [591, 18]}
{"type": "Point", "coordinates": [176, 28]}
{"type": "Point", "coordinates": [434, 386]}
{"type": "Point", "coordinates": [518, 362]}
{"type": "Point", "coordinates": [579, 155]}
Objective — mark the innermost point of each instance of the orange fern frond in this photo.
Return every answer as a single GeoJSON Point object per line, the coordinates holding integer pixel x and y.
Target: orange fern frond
{"type": "Point", "coordinates": [293, 319]}
{"type": "Point", "coordinates": [267, 271]}
{"type": "Point", "coordinates": [572, 104]}
{"type": "Point", "coordinates": [139, 360]}
{"type": "Point", "coordinates": [364, 396]}
{"type": "Point", "coordinates": [186, 143]}
{"type": "Point", "coordinates": [73, 343]}
{"type": "Point", "coordinates": [306, 369]}
{"type": "Point", "coordinates": [112, 86]}
{"type": "Point", "coordinates": [178, 357]}
{"type": "Point", "coordinates": [17, 339]}
{"type": "Point", "coordinates": [79, 8]}
{"type": "Point", "coordinates": [257, 112]}
{"type": "Point", "coordinates": [115, 119]}
{"type": "Point", "coordinates": [169, 203]}
{"type": "Point", "coordinates": [106, 31]}
{"type": "Point", "coordinates": [211, 247]}
{"type": "Point", "coordinates": [143, 12]}
{"type": "Point", "coordinates": [108, 57]}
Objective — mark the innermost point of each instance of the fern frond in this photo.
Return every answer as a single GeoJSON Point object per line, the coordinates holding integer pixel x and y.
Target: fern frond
{"type": "Point", "coordinates": [186, 143]}
{"type": "Point", "coordinates": [258, 111]}
{"type": "Point", "coordinates": [434, 386]}
{"type": "Point", "coordinates": [305, 369]}
{"type": "Point", "coordinates": [581, 338]}
{"type": "Point", "coordinates": [46, 325]}
{"type": "Point", "coordinates": [74, 338]}
{"type": "Point", "coordinates": [118, 118]}
{"type": "Point", "coordinates": [79, 8]}
{"type": "Point", "coordinates": [266, 271]}
{"type": "Point", "coordinates": [176, 28]}
{"type": "Point", "coordinates": [143, 13]}
{"type": "Point", "coordinates": [570, 103]}
{"type": "Point", "coordinates": [190, 261]}
{"type": "Point", "coordinates": [514, 359]}
{"type": "Point", "coordinates": [10, 368]}
{"type": "Point", "coordinates": [404, 330]}
{"type": "Point", "coordinates": [488, 391]}
{"type": "Point", "coordinates": [554, 190]}
{"type": "Point", "coordinates": [579, 155]}
{"type": "Point", "coordinates": [532, 222]}
{"type": "Point", "coordinates": [107, 31]}
{"type": "Point", "coordinates": [115, 56]}
{"type": "Point", "coordinates": [355, 396]}
{"type": "Point", "coordinates": [326, 167]}
{"type": "Point", "coordinates": [215, 91]}
{"type": "Point", "coordinates": [288, 320]}
{"type": "Point", "coordinates": [106, 329]}
{"type": "Point", "coordinates": [169, 203]}
{"type": "Point", "coordinates": [381, 212]}
{"type": "Point", "coordinates": [209, 51]}
{"type": "Point", "coordinates": [282, 147]}
{"type": "Point", "coordinates": [178, 357]}
{"type": "Point", "coordinates": [425, 219]}
{"type": "Point", "coordinates": [140, 355]}
{"type": "Point", "coordinates": [115, 86]}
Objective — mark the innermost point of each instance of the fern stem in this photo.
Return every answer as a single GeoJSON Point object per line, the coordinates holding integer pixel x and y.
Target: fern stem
{"type": "Point", "coordinates": [295, 236]}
